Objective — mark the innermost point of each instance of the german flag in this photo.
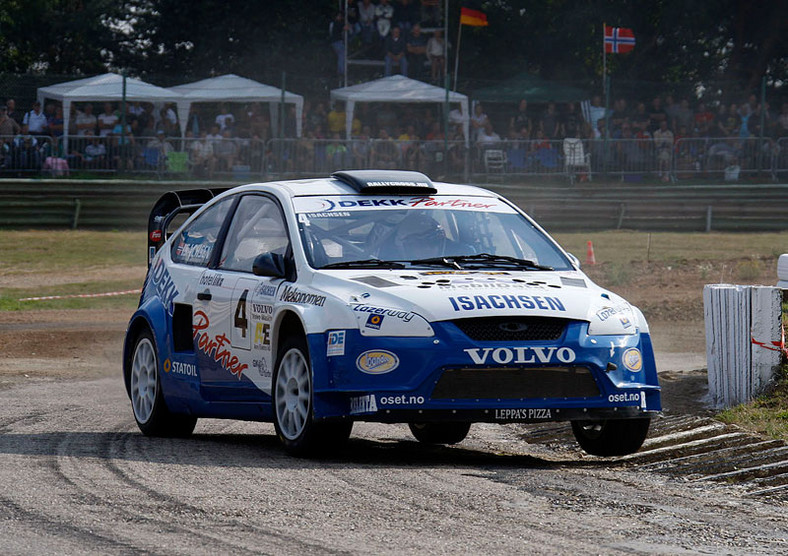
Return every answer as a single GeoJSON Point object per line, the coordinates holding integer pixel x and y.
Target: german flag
{"type": "Point", "coordinates": [473, 18]}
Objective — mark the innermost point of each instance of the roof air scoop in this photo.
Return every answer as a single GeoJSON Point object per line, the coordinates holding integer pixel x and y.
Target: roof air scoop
{"type": "Point", "coordinates": [386, 182]}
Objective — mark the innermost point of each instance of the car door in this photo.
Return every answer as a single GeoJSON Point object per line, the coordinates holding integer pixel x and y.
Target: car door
{"type": "Point", "coordinates": [237, 324]}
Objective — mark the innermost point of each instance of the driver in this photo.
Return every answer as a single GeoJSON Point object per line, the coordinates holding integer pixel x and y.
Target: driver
{"type": "Point", "coordinates": [417, 236]}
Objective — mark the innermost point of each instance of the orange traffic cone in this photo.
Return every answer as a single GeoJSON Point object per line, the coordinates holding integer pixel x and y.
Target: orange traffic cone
{"type": "Point", "coordinates": [590, 259]}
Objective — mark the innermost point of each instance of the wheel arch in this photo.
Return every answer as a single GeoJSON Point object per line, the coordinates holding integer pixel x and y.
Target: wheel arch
{"type": "Point", "coordinates": [287, 324]}
{"type": "Point", "coordinates": [145, 317]}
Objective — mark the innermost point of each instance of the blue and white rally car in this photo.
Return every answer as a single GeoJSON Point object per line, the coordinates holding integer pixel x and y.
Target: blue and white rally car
{"type": "Point", "coordinates": [378, 296]}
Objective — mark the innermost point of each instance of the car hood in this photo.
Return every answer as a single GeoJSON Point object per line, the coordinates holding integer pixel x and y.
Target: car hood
{"type": "Point", "coordinates": [439, 295]}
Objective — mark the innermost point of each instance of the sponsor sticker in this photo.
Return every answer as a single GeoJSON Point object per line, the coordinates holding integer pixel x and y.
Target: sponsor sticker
{"type": "Point", "coordinates": [523, 414]}
{"type": "Point", "coordinates": [521, 355]}
{"type": "Point", "coordinates": [291, 294]}
{"type": "Point", "coordinates": [363, 404]}
{"type": "Point", "coordinates": [480, 302]}
{"type": "Point", "coordinates": [624, 397]}
{"type": "Point", "coordinates": [401, 400]}
{"type": "Point", "coordinates": [374, 322]}
{"type": "Point", "coordinates": [377, 362]}
{"type": "Point", "coordinates": [165, 286]}
{"type": "Point", "coordinates": [633, 360]}
{"type": "Point", "coordinates": [336, 343]}
{"type": "Point", "coordinates": [218, 347]}
{"type": "Point", "coordinates": [404, 316]}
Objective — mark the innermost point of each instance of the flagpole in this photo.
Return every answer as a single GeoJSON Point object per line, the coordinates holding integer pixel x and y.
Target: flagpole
{"type": "Point", "coordinates": [457, 55]}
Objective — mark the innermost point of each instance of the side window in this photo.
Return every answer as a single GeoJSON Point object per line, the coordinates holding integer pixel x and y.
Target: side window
{"type": "Point", "coordinates": [194, 245]}
{"type": "Point", "coordinates": [258, 227]}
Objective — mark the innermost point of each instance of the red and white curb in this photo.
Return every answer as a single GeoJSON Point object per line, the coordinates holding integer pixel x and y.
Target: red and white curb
{"type": "Point", "coordinates": [79, 295]}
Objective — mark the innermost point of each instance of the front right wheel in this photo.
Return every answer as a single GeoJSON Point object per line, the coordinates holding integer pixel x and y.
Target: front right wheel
{"type": "Point", "coordinates": [613, 437]}
{"type": "Point", "coordinates": [440, 433]}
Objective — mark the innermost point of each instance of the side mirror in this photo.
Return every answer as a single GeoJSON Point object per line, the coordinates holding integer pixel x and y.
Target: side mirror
{"type": "Point", "coordinates": [575, 260]}
{"type": "Point", "coordinates": [269, 264]}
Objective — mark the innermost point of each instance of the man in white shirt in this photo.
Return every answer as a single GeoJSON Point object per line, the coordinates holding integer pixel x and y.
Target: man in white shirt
{"type": "Point", "coordinates": [107, 120]}
{"type": "Point", "coordinates": [36, 120]}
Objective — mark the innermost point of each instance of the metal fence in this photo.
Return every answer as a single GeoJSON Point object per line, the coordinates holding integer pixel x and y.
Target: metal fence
{"type": "Point", "coordinates": [239, 159]}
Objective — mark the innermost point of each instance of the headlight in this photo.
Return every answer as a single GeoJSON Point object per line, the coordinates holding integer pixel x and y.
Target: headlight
{"type": "Point", "coordinates": [613, 320]}
{"type": "Point", "coordinates": [388, 321]}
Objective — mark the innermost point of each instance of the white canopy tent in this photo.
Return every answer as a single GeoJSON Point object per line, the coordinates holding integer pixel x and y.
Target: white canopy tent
{"type": "Point", "coordinates": [103, 88]}
{"type": "Point", "coordinates": [232, 88]}
{"type": "Point", "coordinates": [397, 88]}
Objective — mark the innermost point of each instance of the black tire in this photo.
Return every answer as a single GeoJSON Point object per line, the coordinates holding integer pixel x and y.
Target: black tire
{"type": "Point", "coordinates": [293, 397]}
{"type": "Point", "coordinates": [147, 401]}
{"type": "Point", "coordinates": [440, 433]}
{"type": "Point", "coordinates": [617, 437]}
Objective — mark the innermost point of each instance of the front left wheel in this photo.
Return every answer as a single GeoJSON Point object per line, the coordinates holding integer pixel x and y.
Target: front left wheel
{"type": "Point", "coordinates": [293, 397]}
{"type": "Point", "coordinates": [614, 437]}
{"type": "Point", "coordinates": [147, 400]}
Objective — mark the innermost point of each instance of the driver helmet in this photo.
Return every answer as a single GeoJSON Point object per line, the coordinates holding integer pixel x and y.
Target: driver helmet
{"type": "Point", "coordinates": [420, 236]}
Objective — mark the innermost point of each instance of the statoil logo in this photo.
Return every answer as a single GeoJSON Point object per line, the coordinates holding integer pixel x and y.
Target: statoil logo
{"type": "Point", "coordinates": [633, 360]}
{"type": "Point", "coordinates": [377, 362]}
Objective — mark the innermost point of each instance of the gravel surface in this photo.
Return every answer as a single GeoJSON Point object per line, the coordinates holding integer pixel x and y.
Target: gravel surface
{"type": "Point", "coordinates": [78, 478]}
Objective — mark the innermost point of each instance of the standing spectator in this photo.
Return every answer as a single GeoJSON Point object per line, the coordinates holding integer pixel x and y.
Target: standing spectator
{"type": "Point", "coordinates": [619, 115]}
{"type": "Point", "coordinates": [656, 114]}
{"type": "Point", "coordinates": [225, 119]}
{"type": "Point", "coordinates": [12, 113]}
{"type": "Point", "coordinates": [226, 151]}
{"type": "Point", "coordinates": [640, 118]}
{"type": "Point", "coordinates": [201, 155]}
{"type": "Point", "coordinates": [703, 117]}
{"type": "Point", "coordinates": [56, 122]}
{"type": "Point", "coordinates": [95, 154]}
{"type": "Point", "coordinates": [436, 53]}
{"type": "Point", "coordinates": [366, 21]}
{"type": "Point", "coordinates": [169, 120]}
{"type": "Point", "coordinates": [107, 120]}
{"type": "Point", "coordinates": [596, 112]}
{"type": "Point", "coordinates": [336, 37]}
{"type": "Point", "coordinates": [417, 52]}
{"type": "Point", "coordinates": [317, 117]}
{"type": "Point", "coordinates": [335, 119]}
{"type": "Point", "coordinates": [551, 126]}
{"type": "Point", "coordinates": [86, 121]}
{"type": "Point", "coordinates": [36, 120]}
{"type": "Point", "coordinates": [671, 109]}
{"type": "Point", "coordinates": [395, 52]}
{"type": "Point", "coordinates": [384, 12]}
{"type": "Point", "coordinates": [521, 119]}
{"type": "Point", "coordinates": [24, 150]}
{"type": "Point", "coordinates": [572, 121]}
{"type": "Point", "coordinates": [406, 15]}
{"type": "Point", "coordinates": [782, 121]}
{"type": "Point", "coordinates": [384, 152]}
{"type": "Point", "coordinates": [683, 115]}
{"type": "Point", "coordinates": [8, 126]}
{"type": "Point", "coordinates": [663, 143]}
{"type": "Point", "coordinates": [478, 120]}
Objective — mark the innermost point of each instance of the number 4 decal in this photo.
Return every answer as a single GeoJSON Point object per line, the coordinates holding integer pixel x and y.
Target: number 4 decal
{"type": "Point", "coordinates": [241, 307]}
{"type": "Point", "coordinates": [241, 322]}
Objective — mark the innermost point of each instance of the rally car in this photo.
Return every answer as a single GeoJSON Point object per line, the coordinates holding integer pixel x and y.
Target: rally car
{"type": "Point", "coordinates": [378, 296]}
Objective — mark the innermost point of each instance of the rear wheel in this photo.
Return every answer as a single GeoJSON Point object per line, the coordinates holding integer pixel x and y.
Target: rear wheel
{"type": "Point", "coordinates": [617, 437]}
{"type": "Point", "coordinates": [293, 406]}
{"type": "Point", "coordinates": [150, 410]}
{"type": "Point", "coordinates": [440, 433]}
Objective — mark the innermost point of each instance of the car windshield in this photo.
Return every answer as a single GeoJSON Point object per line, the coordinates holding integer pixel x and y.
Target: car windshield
{"type": "Point", "coordinates": [443, 231]}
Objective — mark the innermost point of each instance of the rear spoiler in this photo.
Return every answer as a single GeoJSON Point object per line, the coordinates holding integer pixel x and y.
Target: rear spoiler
{"type": "Point", "coordinates": [168, 206]}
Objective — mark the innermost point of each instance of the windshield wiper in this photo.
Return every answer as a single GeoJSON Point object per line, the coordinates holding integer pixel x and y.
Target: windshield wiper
{"type": "Point", "coordinates": [365, 263]}
{"type": "Point", "coordinates": [484, 259]}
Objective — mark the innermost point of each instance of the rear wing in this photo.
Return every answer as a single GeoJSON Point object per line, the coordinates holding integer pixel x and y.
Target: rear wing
{"type": "Point", "coordinates": [168, 207]}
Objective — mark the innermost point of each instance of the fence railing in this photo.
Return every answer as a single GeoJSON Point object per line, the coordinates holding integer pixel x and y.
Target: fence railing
{"type": "Point", "coordinates": [239, 159]}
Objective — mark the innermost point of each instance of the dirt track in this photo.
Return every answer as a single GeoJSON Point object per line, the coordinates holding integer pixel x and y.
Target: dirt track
{"type": "Point", "coordinates": [78, 478]}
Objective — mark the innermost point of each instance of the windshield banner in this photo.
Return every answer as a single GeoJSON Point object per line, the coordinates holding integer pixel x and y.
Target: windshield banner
{"type": "Point", "coordinates": [316, 207]}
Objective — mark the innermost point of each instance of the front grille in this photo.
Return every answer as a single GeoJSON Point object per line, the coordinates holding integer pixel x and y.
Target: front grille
{"type": "Point", "coordinates": [516, 383]}
{"type": "Point", "coordinates": [512, 329]}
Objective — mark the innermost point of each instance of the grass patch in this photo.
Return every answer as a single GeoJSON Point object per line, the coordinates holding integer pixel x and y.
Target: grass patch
{"type": "Point", "coordinates": [54, 250]}
{"type": "Point", "coordinates": [10, 297]}
{"type": "Point", "coordinates": [623, 247]}
{"type": "Point", "coordinates": [767, 414]}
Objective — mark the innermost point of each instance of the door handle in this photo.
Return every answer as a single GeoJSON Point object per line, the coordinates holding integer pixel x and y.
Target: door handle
{"type": "Point", "coordinates": [204, 296]}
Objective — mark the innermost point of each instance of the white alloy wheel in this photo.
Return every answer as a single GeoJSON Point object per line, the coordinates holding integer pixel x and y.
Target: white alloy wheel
{"type": "Point", "coordinates": [143, 380]}
{"type": "Point", "coordinates": [293, 394]}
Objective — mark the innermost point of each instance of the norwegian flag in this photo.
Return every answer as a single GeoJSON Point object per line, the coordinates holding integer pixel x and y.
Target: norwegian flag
{"type": "Point", "coordinates": [619, 39]}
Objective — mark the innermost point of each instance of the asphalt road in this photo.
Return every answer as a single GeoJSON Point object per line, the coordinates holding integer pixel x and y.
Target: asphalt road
{"type": "Point", "coordinates": [78, 478]}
